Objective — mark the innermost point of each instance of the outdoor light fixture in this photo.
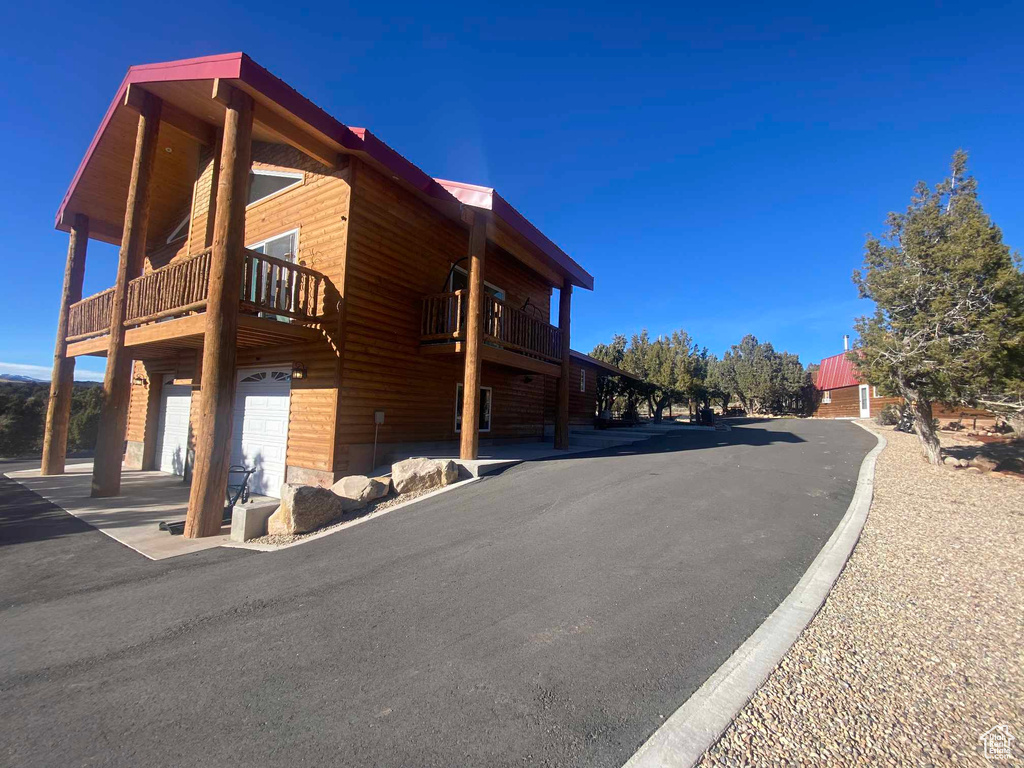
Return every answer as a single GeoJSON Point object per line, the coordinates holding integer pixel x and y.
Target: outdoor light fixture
{"type": "Point", "coordinates": [298, 371]}
{"type": "Point", "coordinates": [140, 381]}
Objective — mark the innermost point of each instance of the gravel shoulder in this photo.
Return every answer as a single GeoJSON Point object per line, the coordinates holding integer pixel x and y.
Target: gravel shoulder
{"type": "Point", "coordinates": [919, 648]}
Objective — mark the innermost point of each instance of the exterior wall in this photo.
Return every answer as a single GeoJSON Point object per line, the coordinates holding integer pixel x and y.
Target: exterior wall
{"type": "Point", "coordinates": [582, 404]}
{"type": "Point", "coordinates": [846, 403]}
{"type": "Point", "coordinates": [383, 249]}
{"type": "Point", "coordinates": [400, 250]}
{"type": "Point", "coordinates": [319, 209]}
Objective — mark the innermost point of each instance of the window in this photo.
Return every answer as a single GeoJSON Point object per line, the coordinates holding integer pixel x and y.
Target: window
{"type": "Point", "coordinates": [264, 184]}
{"type": "Point", "coordinates": [874, 391]}
{"type": "Point", "coordinates": [280, 246]}
{"type": "Point", "coordinates": [826, 396]}
{"type": "Point", "coordinates": [485, 408]}
{"type": "Point", "coordinates": [179, 231]}
{"type": "Point", "coordinates": [459, 281]}
{"type": "Point", "coordinates": [264, 375]}
{"type": "Point", "coordinates": [583, 379]}
{"type": "Point", "coordinates": [283, 247]}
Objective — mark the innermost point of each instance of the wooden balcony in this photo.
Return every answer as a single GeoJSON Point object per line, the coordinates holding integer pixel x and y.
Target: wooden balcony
{"type": "Point", "coordinates": [512, 337]}
{"type": "Point", "coordinates": [165, 309]}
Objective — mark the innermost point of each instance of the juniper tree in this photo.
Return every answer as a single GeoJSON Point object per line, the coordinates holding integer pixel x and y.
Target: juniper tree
{"type": "Point", "coordinates": [948, 324]}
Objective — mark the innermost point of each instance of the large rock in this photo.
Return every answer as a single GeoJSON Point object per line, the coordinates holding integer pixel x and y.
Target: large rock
{"type": "Point", "coordinates": [362, 489]}
{"type": "Point", "coordinates": [418, 475]}
{"type": "Point", "coordinates": [304, 508]}
{"type": "Point", "coordinates": [984, 463]}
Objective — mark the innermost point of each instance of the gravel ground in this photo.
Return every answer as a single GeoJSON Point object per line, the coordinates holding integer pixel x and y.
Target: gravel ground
{"type": "Point", "coordinates": [919, 648]}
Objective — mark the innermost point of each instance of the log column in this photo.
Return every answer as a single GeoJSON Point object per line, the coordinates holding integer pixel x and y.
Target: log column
{"type": "Point", "coordinates": [62, 381]}
{"type": "Point", "coordinates": [217, 392]}
{"type": "Point", "coordinates": [106, 472]}
{"type": "Point", "coordinates": [470, 439]}
{"type": "Point", "coordinates": [562, 412]}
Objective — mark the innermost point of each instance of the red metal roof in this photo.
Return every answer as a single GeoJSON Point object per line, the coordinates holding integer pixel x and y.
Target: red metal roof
{"type": "Point", "coordinates": [836, 372]}
{"type": "Point", "coordinates": [240, 68]}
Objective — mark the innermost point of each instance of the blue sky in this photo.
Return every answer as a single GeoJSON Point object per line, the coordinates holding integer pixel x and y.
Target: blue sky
{"type": "Point", "coordinates": [716, 169]}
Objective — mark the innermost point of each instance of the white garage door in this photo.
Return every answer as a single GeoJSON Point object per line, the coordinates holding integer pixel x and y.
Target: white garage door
{"type": "Point", "coordinates": [172, 431]}
{"type": "Point", "coordinates": [260, 432]}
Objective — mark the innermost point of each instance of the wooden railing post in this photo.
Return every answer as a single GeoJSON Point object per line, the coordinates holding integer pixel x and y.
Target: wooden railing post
{"type": "Point", "coordinates": [106, 471]}
{"type": "Point", "coordinates": [562, 412]}
{"type": "Point", "coordinates": [217, 392]}
{"type": "Point", "coordinates": [62, 381]}
{"type": "Point", "coordinates": [470, 437]}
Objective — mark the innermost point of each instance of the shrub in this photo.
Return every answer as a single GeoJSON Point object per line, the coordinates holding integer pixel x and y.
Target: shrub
{"type": "Point", "coordinates": [889, 416]}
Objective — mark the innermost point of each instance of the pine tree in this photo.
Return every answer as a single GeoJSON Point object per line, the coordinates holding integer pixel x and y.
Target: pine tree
{"type": "Point", "coordinates": [949, 296]}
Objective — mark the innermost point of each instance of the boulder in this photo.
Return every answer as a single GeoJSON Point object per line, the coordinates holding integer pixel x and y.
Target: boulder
{"type": "Point", "coordinates": [304, 508]}
{"type": "Point", "coordinates": [362, 489]}
{"type": "Point", "coordinates": [418, 475]}
{"type": "Point", "coordinates": [984, 463]}
{"type": "Point", "coordinates": [951, 461]}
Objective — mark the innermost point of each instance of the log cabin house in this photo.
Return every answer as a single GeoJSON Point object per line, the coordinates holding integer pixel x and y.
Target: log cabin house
{"type": "Point", "coordinates": [293, 294]}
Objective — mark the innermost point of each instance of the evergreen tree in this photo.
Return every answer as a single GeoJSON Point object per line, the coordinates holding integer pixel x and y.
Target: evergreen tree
{"type": "Point", "coordinates": [948, 324]}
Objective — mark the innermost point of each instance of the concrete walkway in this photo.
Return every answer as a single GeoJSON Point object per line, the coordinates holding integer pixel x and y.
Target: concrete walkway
{"type": "Point", "coordinates": [132, 518]}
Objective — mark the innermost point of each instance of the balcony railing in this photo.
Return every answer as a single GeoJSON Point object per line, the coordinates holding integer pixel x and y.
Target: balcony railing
{"type": "Point", "coordinates": [90, 316]}
{"type": "Point", "coordinates": [270, 287]}
{"type": "Point", "coordinates": [443, 319]}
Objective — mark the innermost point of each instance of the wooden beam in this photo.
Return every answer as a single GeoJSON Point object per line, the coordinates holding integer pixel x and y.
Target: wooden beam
{"type": "Point", "coordinates": [62, 382]}
{"type": "Point", "coordinates": [470, 438]}
{"type": "Point", "coordinates": [294, 136]}
{"type": "Point", "coordinates": [217, 391]}
{"type": "Point", "coordinates": [106, 473]}
{"type": "Point", "coordinates": [562, 412]}
{"type": "Point", "coordinates": [183, 122]}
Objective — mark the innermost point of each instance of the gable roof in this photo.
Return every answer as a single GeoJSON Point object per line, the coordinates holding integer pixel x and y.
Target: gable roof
{"type": "Point", "coordinates": [186, 85]}
{"type": "Point", "coordinates": [836, 372]}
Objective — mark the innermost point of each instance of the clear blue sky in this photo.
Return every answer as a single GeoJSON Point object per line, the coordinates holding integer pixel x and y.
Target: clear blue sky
{"type": "Point", "coordinates": [715, 169]}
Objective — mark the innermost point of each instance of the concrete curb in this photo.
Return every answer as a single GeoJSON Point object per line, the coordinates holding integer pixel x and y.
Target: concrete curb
{"type": "Point", "coordinates": [698, 723]}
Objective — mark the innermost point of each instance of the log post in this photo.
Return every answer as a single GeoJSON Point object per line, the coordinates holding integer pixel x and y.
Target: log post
{"type": "Point", "coordinates": [62, 381]}
{"type": "Point", "coordinates": [217, 391]}
{"type": "Point", "coordinates": [106, 470]}
{"type": "Point", "coordinates": [469, 444]}
{"type": "Point", "coordinates": [562, 411]}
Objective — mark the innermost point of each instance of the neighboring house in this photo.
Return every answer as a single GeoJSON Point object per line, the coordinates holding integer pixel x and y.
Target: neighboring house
{"type": "Point", "coordinates": [291, 290]}
{"type": "Point", "coordinates": [840, 394]}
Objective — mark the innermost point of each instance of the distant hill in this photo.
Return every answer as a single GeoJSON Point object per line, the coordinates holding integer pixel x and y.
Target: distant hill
{"type": "Point", "coordinates": [20, 379]}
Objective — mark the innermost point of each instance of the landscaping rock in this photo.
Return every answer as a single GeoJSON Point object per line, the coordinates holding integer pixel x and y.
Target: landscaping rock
{"type": "Point", "coordinates": [362, 489]}
{"type": "Point", "coordinates": [951, 461]}
{"type": "Point", "coordinates": [984, 463]}
{"type": "Point", "coordinates": [305, 508]}
{"type": "Point", "coordinates": [417, 475]}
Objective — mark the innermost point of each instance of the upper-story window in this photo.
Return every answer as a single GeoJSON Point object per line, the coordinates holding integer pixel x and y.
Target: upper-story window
{"type": "Point", "coordinates": [179, 231]}
{"type": "Point", "coordinates": [264, 184]}
{"type": "Point", "coordinates": [459, 281]}
{"type": "Point", "coordinates": [281, 247]}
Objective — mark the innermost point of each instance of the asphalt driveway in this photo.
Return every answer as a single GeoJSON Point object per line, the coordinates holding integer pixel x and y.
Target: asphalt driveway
{"type": "Point", "coordinates": [554, 614]}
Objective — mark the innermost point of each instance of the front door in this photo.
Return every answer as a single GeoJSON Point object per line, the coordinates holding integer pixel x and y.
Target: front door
{"type": "Point", "coordinates": [865, 402]}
